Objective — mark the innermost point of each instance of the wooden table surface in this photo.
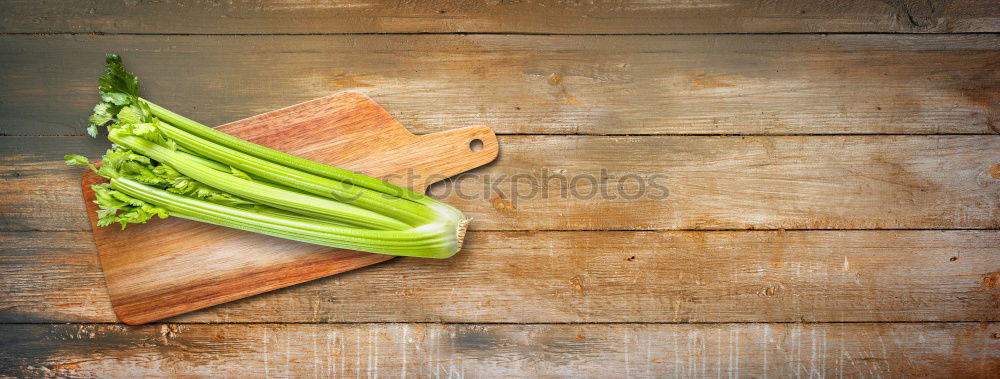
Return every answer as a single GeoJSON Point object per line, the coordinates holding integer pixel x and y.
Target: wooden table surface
{"type": "Point", "coordinates": [833, 176]}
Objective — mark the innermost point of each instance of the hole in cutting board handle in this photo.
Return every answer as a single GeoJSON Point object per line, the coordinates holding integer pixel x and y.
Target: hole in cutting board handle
{"type": "Point", "coordinates": [476, 145]}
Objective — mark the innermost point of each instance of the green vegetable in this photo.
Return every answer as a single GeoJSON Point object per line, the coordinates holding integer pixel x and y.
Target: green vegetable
{"type": "Point", "coordinates": [163, 164]}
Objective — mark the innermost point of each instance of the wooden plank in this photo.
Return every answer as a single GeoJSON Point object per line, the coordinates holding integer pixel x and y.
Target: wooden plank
{"type": "Point", "coordinates": [70, 261]}
{"type": "Point", "coordinates": [694, 84]}
{"type": "Point", "coordinates": [515, 277]}
{"type": "Point", "coordinates": [710, 183]}
{"type": "Point", "coordinates": [490, 351]}
{"type": "Point", "coordinates": [545, 16]}
{"type": "Point", "coordinates": [39, 192]}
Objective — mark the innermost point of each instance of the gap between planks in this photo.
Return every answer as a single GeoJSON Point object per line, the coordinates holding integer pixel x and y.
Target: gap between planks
{"type": "Point", "coordinates": [490, 34]}
{"type": "Point", "coordinates": [635, 230]}
{"type": "Point", "coordinates": [585, 134]}
{"type": "Point", "coordinates": [570, 323]}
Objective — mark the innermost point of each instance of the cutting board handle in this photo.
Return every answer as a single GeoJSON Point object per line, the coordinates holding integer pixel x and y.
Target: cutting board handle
{"type": "Point", "coordinates": [446, 154]}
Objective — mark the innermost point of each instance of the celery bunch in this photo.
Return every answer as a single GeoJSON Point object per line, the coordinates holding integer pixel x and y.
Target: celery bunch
{"type": "Point", "coordinates": [162, 164]}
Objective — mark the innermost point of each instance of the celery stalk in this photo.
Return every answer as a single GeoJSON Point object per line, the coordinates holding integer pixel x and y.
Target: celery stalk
{"type": "Point", "coordinates": [256, 191]}
{"type": "Point", "coordinates": [362, 197]}
{"type": "Point", "coordinates": [289, 160]}
{"type": "Point", "coordinates": [430, 241]}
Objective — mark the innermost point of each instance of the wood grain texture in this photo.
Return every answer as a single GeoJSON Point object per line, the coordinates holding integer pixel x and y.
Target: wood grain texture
{"type": "Point", "coordinates": [490, 351]}
{"type": "Point", "coordinates": [697, 84]}
{"type": "Point", "coordinates": [169, 267]}
{"type": "Point", "coordinates": [515, 277]}
{"type": "Point", "coordinates": [545, 16]}
{"type": "Point", "coordinates": [712, 183]}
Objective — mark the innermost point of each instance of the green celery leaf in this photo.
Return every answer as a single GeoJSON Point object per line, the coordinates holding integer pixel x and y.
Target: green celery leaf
{"type": "Point", "coordinates": [115, 98]}
{"type": "Point", "coordinates": [116, 82]}
{"type": "Point", "coordinates": [123, 209]}
{"type": "Point", "coordinates": [76, 160]}
{"type": "Point", "coordinates": [102, 114]}
{"type": "Point", "coordinates": [129, 115]}
{"type": "Point", "coordinates": [119, 90]}
{"type": "Point", "coordinates": [79, 160]}
{"type": "Point", "coordinates": [106, 217]}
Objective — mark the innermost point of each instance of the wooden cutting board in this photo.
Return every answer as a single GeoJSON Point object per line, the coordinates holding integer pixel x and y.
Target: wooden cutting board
{"type": "Point", "coordinates": [172, 266]}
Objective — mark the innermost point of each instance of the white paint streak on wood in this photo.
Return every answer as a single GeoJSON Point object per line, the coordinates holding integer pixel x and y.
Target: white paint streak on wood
{"type": "Point", "coordinates": [628, 360]}
{"type": "Point", "coordinates": [736, 345]}
{"type": "Point", "coordinates": [649, 354]}
{"type": "Point", "coordinates": [765, 346]}
{"type": "Point", "coordinates": [841, 352]}
{"type": "Point", "coordinates": [315, 359]}
{"type": "Point", "coordinates": [267, 355]}
{"type": "Point", "coordinates": [288, 354]}
{"type": "Point", "coordinates": [678, 366]}
{"type": "Point", "coordinates": [800, 360]}
{"type": "Point", "coordinates": [703, 352]}
{"type": "Point", "coordinates": [330, 360]}
{"type": "Point", "coordinates": [404, 343]}
{"type": "Point", "coordinates": [608, 350]}
{"type": "Point", "coordinates": [824, 354]}
{"type": "Point", "coordinates": [718, 361]}
{"type": "Point", "coordinates": [694, 354]}
{"type": "Point", "coordinates": [436, 354]}
{"type": "Point", "coordinates": [813, 359]}
{"type": "Point", "coordinates": [372, 355]}
{"type": "Point", "coordinates": [882, 347]}
{"type": "Point", "coordinates": [730, 370]}
{"type": "Point", "coordinates": [357, 354]}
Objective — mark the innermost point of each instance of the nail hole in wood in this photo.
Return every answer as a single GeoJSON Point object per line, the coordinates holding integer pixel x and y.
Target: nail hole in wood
{"type": "Point", "coordinates": [476, 145]}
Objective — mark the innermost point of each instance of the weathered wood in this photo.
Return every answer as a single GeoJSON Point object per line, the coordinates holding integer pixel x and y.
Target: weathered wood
{"type": "Point", "coordinates": [490, 351]}
{"type": "Point", "coordinates": [711, 183]}
{"type": "Point", "coordinates": [174, 266]}
{"type": "Point", "coordinates": [697, 84]}
{"type": "Point", "coordinates": [58, 269]}
{"type": "Point", "coordinates": [545, 16]}
{"type": "Point", "coordinates": [515, 277]}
